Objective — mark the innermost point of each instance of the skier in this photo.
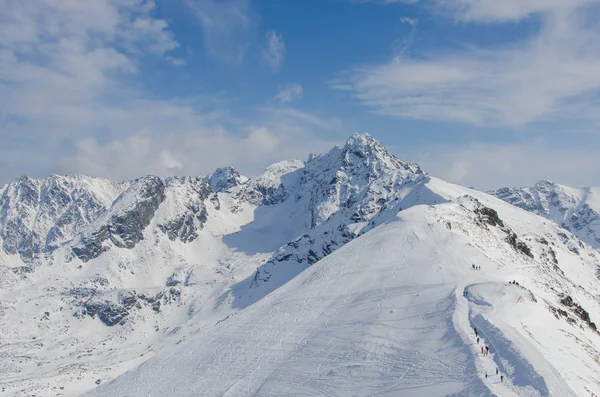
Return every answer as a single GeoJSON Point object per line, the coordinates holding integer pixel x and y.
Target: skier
{"type": "Point", "coordinates": [486, 374]}
{"type": "Point", "coordinates": [487, 348]}
{"type": "Point", "coordinates": [501, 378]}
{"type": "Point", "coordinates": [478, 341]}
{"type": "Point", "coordinates": [481, 349]}
{"type": "Point", "coordinates": [496, 371]}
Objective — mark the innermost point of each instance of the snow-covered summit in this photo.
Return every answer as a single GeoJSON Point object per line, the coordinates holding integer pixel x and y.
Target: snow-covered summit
{"type": "Point", "coordinates": [225, 178]}
{"type": "Point", "coordinates": [575, 209]}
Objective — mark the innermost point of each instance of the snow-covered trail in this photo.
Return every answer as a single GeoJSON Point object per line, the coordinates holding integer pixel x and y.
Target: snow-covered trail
{"type": "Point", "coordinates": [382, 316]}
{"type": "Point", "coordinates": [525, 370]}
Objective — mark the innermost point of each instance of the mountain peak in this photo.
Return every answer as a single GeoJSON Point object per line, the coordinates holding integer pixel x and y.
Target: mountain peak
{"type": "Point", "coordinates": [224, 178]}
{"type": "Point", "coordinates": [544, 183]}
{"type": "Point", "coordinates": [361, 149]}
{"type": "Point", "coordinates": [361, 140]}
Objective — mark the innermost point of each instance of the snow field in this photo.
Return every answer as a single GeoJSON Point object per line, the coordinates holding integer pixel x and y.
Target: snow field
{"type": "Point", "coordinates": [383, 315]}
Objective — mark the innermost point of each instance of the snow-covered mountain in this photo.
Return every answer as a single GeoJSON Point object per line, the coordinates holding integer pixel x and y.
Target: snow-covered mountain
{"type": "Point", "coordinates": [38, 216]}
{"type": "Point", "coordinates": [575, 209]}
{"type": "Point", "coordinates": [166, 268]}
{"type": "Point", "coordinates": [392, 314]}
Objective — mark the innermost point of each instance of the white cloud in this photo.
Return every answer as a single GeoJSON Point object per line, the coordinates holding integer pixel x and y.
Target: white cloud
{"type": "Point", "coordinates": [261, 141]}
{"type": "Point", "coordinates": [288, 93]}
{"type": "Point", "coordinates": [194, 152]}
{"type": "Point", "coordinates": [555, 74]}
{"type": "Point", "coordinates": [70, 99]}
{"type": "Point", "coordinates": [169, 161]}
{"type": "Point", "coordinates": [226, 25]}
{"type": "Point", "coordinates": [494, 165]}
{"type": "Point", "coordinates": [410, 21]}
{"type": "Point", "coordinates": [506, 10]}
{"type": "Point", "coordinates": [274, 53]}
{"type": "Point", "coordinates": [287, 115]}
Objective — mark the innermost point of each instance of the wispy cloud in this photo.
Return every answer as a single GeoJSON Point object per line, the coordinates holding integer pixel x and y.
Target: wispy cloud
{"type": "Point", "coordinates": [288, 93]}
{"type": "Point", "coordinates": [505, 10]}
{"type": "Point", "coordinates": [225, 25]}
{"type": "Point", "coordinates": [72, 98]}
{"type": "Point", "coordinates": [554, 74]}
{"type": "Point", "coordinates": [410, 21]}
{"type": "Point", "coordinates": [495, 165]}
{"type": "Point", "coordinates": [274, 52]}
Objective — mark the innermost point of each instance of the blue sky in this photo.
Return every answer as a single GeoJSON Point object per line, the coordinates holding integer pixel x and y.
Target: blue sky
{"type": "Point", "coordinates": [480, 92]}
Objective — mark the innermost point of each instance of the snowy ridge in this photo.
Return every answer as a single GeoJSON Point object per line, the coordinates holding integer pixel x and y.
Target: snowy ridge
{"type": "Point", "coordinates": [178, 259]}
{"type": "Point", "coordinates": [386, 315]}
{"type": "Point", "coordinates": [575, 209]}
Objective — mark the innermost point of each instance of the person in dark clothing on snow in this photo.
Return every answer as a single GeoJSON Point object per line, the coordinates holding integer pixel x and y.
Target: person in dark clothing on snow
{"type": "Point", "coordinates": [501, 378]}
{"type": "Point", "coordinates": [496, 371]}
{"type": "Point", "coordinates": [478, 341]}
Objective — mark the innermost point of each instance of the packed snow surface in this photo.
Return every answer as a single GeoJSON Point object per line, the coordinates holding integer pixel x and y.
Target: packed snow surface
{"type": "Point", "coordinates": [387, 315]}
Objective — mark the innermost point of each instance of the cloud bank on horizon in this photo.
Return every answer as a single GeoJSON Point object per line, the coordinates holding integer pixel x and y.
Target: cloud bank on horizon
{"type": "Point", "coordinates": [480, 92]}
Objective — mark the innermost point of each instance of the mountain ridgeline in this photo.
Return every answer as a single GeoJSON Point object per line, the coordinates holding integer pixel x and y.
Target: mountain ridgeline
{"type": "Point", "coordinates": [96, 276]}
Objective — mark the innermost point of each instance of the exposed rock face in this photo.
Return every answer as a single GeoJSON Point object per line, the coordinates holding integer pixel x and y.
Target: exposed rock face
{"type": "Point", "coordinates": [39, 215]}
{"type": "Point", "coordinates": [113, 313]}
{"type": "Point", "coordinates": [343, 194]}
{"type": "Point", "coordinates": [124, 224]}
{"type": "Point", "coordinates": [273, 186]}
{"type": "Point", "coordinates": [575, 209]}
{"type": "Point", "coordinates": [185, 208]}
{"type": "Point", "coordinates": [225, 178]}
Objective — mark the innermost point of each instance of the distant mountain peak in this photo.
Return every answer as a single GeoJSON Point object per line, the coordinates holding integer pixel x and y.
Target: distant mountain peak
{"type": "Point", "coordinates": [224, 178]}
{"type": "Point", "coordinates": [575, 209]}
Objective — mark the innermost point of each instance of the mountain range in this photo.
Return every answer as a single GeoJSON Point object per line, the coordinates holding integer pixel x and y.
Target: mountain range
{"type": "Point", "coordinates": [285, 283]}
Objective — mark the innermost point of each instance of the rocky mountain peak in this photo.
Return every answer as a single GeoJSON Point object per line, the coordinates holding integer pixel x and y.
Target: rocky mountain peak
{"type": "Point", "coordinates": [362, 151]}
{"type": "Point", "coordinates": [575, 209]}
{"type": "Point", "coordinates": [225, 178]}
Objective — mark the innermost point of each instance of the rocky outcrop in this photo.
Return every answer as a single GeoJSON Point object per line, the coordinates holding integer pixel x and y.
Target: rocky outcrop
{"type": "Point", "coordinates": [39, 215]}
{"type": "Point", "coordinates": [123, 226]}
{"type": "Point", "coordinates": [185, 208]}
{"type": "Point", "coordinates": [112, 313]}
{"type": "Point", "coordinates": [575, 209]}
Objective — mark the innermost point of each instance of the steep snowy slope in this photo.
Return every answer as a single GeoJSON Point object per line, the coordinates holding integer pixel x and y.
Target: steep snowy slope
{"type": "Point", "coordinates": [575, 209]}
{"type": "Point", "coordinates": [387, 315]}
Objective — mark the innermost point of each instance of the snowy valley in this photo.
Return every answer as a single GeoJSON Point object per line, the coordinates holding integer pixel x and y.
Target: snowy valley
{"type": "Point", "coordinates": [349, 274]}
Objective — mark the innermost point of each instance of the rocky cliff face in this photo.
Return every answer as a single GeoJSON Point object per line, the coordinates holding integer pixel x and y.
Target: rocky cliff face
{"type": "Point", "coordinates": [575, 209]}
{"type": "Point", "coordinates": [123, 225]}
{"type": "Point", "coordinates": [37, 216]}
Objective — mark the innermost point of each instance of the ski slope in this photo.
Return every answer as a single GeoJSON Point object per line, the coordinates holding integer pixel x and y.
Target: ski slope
{"type": "Point", "coordinates": [386, 315]}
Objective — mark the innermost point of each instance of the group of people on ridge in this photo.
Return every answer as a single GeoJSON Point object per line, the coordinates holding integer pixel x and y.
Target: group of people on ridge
{"type": "Point", "coordinates": [485, 350]}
